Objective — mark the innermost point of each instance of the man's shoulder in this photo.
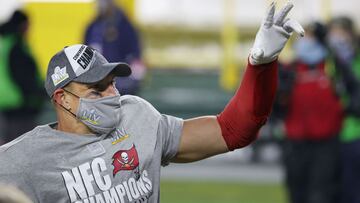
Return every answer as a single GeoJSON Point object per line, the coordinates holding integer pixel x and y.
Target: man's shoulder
{"type": "Point", "coordinates": [22, 145]}
{"type": "Point", "coordinates": [130, 101]}
{"type": "Point", "coordinates": [17, 154]}
{"type": "Point", "coordinates": [18, 142]}
{"type": "Point", "coordinates": [137, 107]}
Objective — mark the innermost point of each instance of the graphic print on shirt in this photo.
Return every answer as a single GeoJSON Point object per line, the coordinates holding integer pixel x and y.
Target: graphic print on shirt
{"type": "Point", "coordinates": [83, 182]}
{"type": "Point", "coordinates": [125, 160]}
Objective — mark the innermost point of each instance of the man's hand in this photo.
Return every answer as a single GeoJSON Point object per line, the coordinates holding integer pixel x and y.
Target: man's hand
{"type": "Point", "coordinates": [273, 35]}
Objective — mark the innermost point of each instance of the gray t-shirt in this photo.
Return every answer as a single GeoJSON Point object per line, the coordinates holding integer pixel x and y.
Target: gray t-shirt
{"type": "Point", "coordinates": [124, 166]}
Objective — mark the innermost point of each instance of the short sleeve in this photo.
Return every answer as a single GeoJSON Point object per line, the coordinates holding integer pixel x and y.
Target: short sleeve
{"type": "Point", "coordinates": [169, 132]}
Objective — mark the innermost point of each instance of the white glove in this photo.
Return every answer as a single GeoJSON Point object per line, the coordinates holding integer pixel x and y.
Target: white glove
{"type": "Point", "coordinates": [273, 35]}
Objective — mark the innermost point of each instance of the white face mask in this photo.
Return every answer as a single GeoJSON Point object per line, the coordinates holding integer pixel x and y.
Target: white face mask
{"type": "Point", "coordinates": [310, 51]}
{"type": "Point", "coordinates": [101, 115]}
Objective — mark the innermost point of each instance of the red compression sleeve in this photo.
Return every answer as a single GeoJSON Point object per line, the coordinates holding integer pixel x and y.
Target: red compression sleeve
{"type": "Point", "coordinates": [249, 109]}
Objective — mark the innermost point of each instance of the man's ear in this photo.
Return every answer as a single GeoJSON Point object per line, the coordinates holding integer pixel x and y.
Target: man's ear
{"type": "Point", "coordinates": [59, 98]}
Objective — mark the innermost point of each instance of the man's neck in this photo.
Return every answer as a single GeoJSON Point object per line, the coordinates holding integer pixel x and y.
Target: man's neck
{"type": "Point", "coordinates": [69, 124]}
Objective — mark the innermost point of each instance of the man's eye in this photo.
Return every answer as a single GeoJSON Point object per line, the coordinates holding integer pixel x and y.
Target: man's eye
{"type": "Point", "coordinates": [95, 93]}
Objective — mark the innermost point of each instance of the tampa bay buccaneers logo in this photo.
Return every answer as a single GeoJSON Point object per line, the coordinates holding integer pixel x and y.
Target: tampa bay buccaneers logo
{"type": "Point", "coordinates": [125, 160]}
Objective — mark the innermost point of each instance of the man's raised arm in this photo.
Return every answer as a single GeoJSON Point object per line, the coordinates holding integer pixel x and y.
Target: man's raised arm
{"type": "Point", "coordinates": [239, 123]}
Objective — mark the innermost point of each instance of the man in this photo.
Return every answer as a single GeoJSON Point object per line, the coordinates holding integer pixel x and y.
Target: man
{"type": "Point", "coordinates": [312, 122]}
{"type": "Point", "coordinates": [112, 34]}
{"type": "Point", "coordinates": [107, 148]}
{"type": "Point", "coordinates": [344, 47]}
{"type": "Point", "coordinates": [19, 79]}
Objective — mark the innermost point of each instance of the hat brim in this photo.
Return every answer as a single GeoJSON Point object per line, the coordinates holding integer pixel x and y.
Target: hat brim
{"type": "Point", "coordinates": [97, 74]}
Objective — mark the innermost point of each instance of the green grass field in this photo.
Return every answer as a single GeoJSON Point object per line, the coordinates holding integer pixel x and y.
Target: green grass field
{"type": "Point", "coordinates": [221, 192]}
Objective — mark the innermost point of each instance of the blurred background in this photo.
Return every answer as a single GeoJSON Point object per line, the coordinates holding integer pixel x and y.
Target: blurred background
{"type": "Point", "coordinates": [187, 59]}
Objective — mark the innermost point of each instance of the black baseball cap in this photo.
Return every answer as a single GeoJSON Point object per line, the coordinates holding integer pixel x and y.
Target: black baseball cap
{"type": "Point", "coordinates": [80, 63]}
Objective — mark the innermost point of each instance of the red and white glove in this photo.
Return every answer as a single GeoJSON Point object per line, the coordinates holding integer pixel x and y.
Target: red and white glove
{"type": "Point", "coordinates": [273, 34]}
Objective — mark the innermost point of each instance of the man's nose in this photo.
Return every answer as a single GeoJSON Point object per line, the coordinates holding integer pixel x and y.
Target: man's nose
{"type": "Point", "coordinates": [111, 91]}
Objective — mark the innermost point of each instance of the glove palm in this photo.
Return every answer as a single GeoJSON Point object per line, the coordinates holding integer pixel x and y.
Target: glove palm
{"type": "Point", "coordinates": [273, 35]}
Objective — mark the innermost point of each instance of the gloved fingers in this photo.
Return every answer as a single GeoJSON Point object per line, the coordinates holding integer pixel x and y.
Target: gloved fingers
{"type": "Point", "coordinates": [257, 53]}
{"type": "Point", "coordinates": [287, 28]}
{"type": "Point", "coordinates": [269, 19]}
{"type": "Point", "coordinates": [291, 25]}
{"type": "Point", "coordinates": [280, 17]}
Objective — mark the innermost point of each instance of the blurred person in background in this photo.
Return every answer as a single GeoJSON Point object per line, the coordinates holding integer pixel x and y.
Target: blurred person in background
{"type": "Point", "coordinates": [20, 88]}
{"type": "Point", "coordinates": [11, 194]}
{"type": "Point", "coordinates": [116, 38]}
{"type": "Point", "coordinates": [312, 116]}
{"type": "Point", "coordinates": [344, 48]}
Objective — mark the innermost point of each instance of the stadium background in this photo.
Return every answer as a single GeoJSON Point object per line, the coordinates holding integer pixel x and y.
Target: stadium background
{"type": "Point", "coordinates": [194, 51]}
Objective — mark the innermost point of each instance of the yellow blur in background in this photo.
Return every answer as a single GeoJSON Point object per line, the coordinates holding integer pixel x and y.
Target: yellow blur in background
{"type": "Point", "coordinates": [54, 25]}
{"type": "Point", "coordinates": [58, 24]}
